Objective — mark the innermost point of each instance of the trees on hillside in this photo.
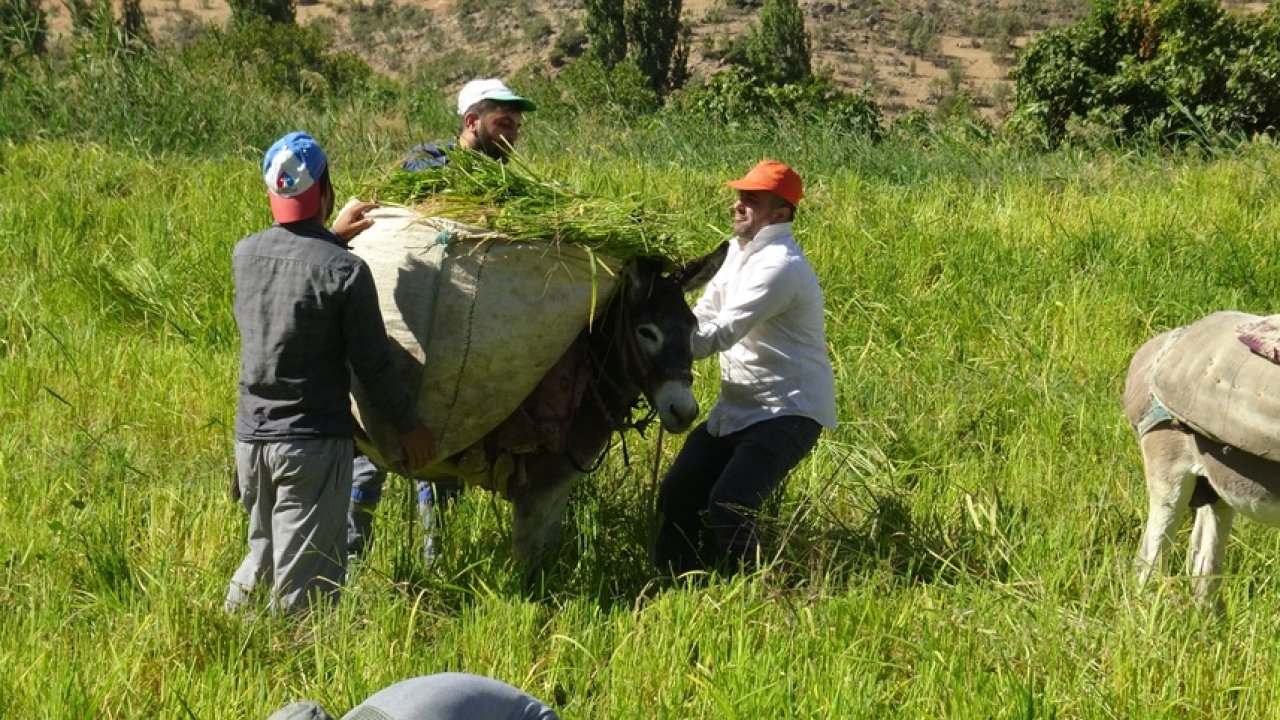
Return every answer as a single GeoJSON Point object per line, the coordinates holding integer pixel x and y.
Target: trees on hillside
{"type": "Point", "coordinates": [606, 29]}
{"type": "Point", "coordinates": [658, 42]}
{"type": "Point", "coordinates": [650, 34]}
{"type": "Point", "coordinates": [778, 46]}
{"type": "Point", "coordinates": [646, 32]}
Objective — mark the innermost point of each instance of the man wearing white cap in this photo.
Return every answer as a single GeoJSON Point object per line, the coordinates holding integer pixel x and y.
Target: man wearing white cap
{"type": "Point", "coordinates": [491, 118]}
{"type": "Point", "coordinates": [308, 316]}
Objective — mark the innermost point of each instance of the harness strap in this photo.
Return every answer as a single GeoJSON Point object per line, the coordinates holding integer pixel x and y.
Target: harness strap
{"type": "Point", "coordinates": [1156, 414]}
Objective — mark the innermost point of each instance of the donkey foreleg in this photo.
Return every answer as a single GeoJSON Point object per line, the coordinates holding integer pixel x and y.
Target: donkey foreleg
{"type": "Point", "coordinates": [538, 519]}
{"type": "Point", "coordinates": [1209, 537]}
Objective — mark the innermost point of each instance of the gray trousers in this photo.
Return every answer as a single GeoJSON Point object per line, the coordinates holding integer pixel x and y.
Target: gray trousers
{"type": "Point", "coordinates": [296, 495]}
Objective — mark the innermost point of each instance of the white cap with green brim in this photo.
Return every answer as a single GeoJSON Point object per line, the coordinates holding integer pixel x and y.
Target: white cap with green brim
{"type": "Point", "coordinates": [490, 89]}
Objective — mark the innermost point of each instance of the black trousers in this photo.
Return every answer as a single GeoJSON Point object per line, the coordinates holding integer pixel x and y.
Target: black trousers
{"type": "Point", "coordinates": [709, 499]}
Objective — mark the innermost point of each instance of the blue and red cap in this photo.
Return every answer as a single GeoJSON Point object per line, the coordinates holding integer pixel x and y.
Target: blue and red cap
{"type": "Point", "coordinates": [291, 169]}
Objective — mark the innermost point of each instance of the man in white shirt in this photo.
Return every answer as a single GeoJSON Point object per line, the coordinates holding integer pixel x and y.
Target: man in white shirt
{"type": "Point", "coordinates": [763, 314]}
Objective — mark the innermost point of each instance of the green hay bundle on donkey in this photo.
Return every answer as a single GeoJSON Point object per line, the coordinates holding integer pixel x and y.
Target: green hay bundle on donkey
{"type": "Point", "coordinates": [486, 274]}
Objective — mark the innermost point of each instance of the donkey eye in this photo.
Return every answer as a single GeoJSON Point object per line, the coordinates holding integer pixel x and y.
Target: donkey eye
{"type": "Point", "coordinates": [647, 333]}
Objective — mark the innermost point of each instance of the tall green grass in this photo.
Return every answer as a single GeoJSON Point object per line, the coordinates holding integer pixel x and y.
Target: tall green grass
{"type": "Point", "coordinates": [959, 547]}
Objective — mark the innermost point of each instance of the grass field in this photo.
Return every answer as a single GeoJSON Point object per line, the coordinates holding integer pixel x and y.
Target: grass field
{"type": "Point", "coordinates": [959, 547]}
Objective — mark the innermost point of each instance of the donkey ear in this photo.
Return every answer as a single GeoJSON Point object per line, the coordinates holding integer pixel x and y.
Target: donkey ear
{"type": "Point", "coordinates": [642, 270]}
{"type": "Point", "coordinates": [699, 272]}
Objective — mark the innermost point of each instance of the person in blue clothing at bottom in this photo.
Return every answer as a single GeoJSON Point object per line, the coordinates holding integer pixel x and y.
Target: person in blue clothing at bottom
{"type": "Point", "coordinates": [444, 696]}
{"type": "Point", "coordinates": [491, 115]}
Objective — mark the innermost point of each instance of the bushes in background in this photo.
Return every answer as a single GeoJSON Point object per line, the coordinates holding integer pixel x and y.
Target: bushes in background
{"type": "Point", "coordinates": [1168, 70]}
{"type": "Point", "coordinates": [738, 95]}
{"type": "Point", "coordinates": [1163, 70]}
{"type": "Point", "coordinates": [248, 81]}
{"type": "Point", "coordinates": [286, 58]}
{"type": "Point", "coordinates": [24, 29]}
{"type": "Point", "coordinates": [276, 11]}
{"type": "Point", "coordinates": [587, 85]}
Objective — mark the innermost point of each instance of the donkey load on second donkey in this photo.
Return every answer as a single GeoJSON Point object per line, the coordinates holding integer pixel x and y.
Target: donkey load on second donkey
{"type": "Point", "coordinates": [1205, 402]}
{"type": "Point", "coordinates": [525, 357]}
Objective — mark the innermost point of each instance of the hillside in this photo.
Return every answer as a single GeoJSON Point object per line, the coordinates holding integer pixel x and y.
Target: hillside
{"type": "Point", "coordinates": [912, 53]}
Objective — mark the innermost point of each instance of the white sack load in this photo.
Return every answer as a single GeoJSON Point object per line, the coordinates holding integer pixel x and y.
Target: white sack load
{"type": "Point", "coordinates": [1215, 384]}
{"type": "Point", "coordinates": [475, 321]}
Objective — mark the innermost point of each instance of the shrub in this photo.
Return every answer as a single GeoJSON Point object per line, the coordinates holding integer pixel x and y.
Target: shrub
{"type": "Point", "coordinates": [1167, 70]}
{"type": "Point", "coordinates": [150, 101]}
{"type": "Point", "coordinates": [184, 28]}
{"type": "Point", "coordinates": [778, 48]}
{"type": "Point", "coordinates": [453, 66]}
{"type": "Point", "coordinates": [537, 30]}
{"type": "Point", "coordinates": [242, 85]}
{"type": "Point", "coordinates": [467, 7]}
{"type": "Point", "coordinates": [917, 33]}
{"type": "Point", "coordinates": [737, 95]}
{"type": "Point", "coordinates": [89, 17]}
{"type": "Point", "coordinates": [730, 48]}
{"type": "Point", "coordinates": [277, 11]}
{"type": "Point", "coordinates": [412, 17]}
{"type": "Point", "coordinates": [289, 58]}
{"type": "Point", "coordinates": [658, 42]}
{"type": "Point", "coordinates": [132, 26]}
{"type": "Point", "coordinates": [585, 85]}
{"type": "Point", "coordinates": [366, 22]}
{"type": "Point", "coordinates": [24, 28]}
{"type": "Point", "coordinates": [606, 30]}
{"type": "Point", "coordinates": [570, 42]}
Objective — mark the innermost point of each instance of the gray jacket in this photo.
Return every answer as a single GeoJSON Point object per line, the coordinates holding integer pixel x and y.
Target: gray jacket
{"type": "Point", "coordinates": [308, 317]}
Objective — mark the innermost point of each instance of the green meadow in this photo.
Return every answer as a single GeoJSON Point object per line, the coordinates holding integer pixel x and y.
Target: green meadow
{"type": "Point", "coordinates": [960, 547]}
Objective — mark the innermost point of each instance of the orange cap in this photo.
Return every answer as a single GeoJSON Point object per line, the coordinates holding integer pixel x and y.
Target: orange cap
{"type": "Point", "coordinates": [775, 177]}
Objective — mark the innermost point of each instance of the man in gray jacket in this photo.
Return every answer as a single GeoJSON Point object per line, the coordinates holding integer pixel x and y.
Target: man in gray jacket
{"type": "Point", "coordinates": [307, 311]}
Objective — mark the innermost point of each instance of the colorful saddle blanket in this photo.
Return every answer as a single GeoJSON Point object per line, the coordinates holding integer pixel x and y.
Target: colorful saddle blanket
{"type": "Point", "coordinates": [1262, 337]}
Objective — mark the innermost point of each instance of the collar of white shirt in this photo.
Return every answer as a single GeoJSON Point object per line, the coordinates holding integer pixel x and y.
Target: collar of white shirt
{"type": "Point", "coordinates": [767, 234]}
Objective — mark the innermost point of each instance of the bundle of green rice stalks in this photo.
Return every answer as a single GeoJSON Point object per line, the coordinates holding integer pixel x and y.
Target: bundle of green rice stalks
{"type": "Point", "coordinates": [513, 199]}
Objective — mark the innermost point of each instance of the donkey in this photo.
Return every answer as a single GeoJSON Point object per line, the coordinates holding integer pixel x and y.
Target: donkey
{"type": "Point", "coordinates": [1185, 470]}
{"type": "Point", "coordinates": [640, 348]}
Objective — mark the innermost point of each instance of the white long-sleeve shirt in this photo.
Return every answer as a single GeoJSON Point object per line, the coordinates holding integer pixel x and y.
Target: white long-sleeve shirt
{"type": "Point", "coordinates": [763, 313]}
